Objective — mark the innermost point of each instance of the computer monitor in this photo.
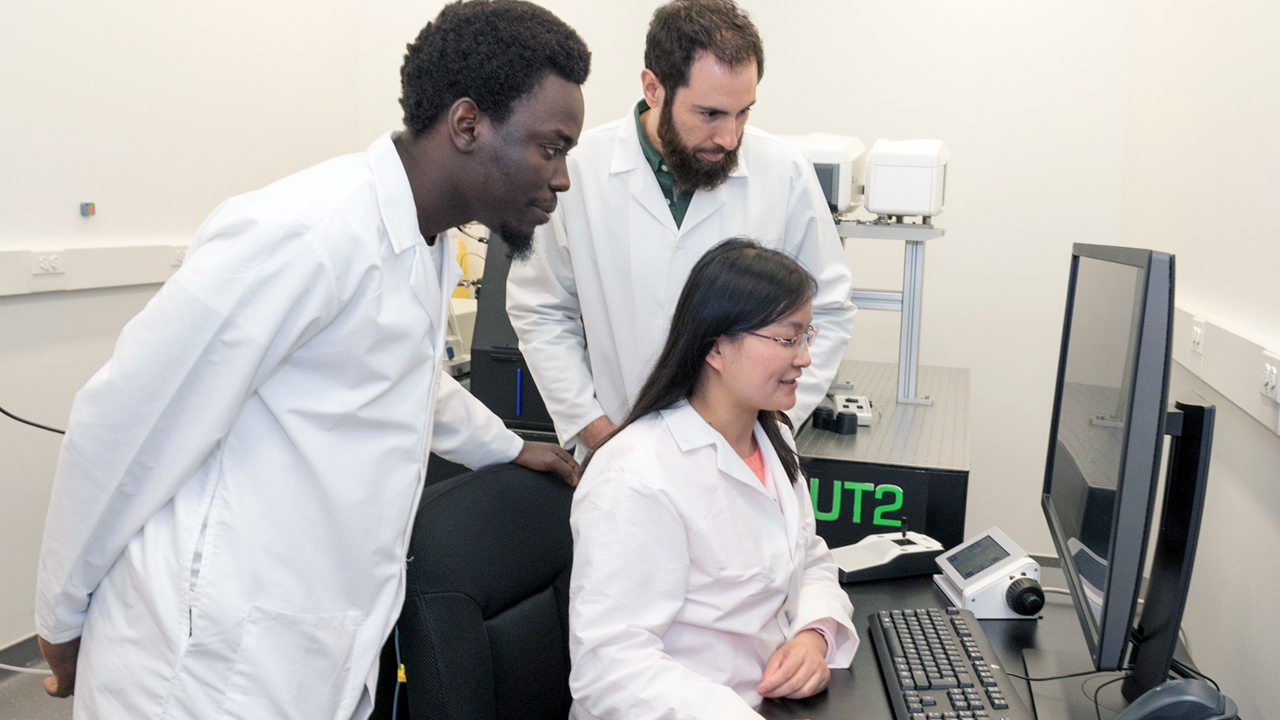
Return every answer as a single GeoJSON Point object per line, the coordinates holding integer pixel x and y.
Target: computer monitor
{"type": "Point", "coordinates": [1106, 438]}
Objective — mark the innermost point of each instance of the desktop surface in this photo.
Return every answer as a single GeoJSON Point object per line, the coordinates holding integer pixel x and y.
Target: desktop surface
{"type": "Point", "coordinates": [858, 693]}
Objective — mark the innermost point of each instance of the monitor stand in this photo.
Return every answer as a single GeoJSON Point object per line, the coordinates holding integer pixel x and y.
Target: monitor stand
{"type": "Point", "coordinates": [1071, 698]}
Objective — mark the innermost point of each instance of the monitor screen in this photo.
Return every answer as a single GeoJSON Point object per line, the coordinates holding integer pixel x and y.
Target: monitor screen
{"type": "Point", "coordinates": [1106, 434]}
{"type": "Point", "coordinates": [1095, 405]}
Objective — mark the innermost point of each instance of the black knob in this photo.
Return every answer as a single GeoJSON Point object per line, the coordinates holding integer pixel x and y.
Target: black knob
{"type": "Point", "coordinates": [1024, 596]}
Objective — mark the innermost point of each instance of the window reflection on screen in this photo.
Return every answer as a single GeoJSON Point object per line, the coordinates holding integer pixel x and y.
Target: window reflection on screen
{"type": "Point", "coordinates": [1101, 351]}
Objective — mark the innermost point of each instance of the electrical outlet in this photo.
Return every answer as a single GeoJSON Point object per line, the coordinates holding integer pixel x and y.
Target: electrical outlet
{"type": "Point", "coordinates": [1197, 336]}
{"type": "Point", "coordinates": [47, 264]}
{"type": "Point", "coordinates": [1270, 376]}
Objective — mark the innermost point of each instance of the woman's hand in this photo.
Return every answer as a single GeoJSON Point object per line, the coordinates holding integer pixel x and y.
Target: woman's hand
{"type": "Point", "coordinates": [798, 669]}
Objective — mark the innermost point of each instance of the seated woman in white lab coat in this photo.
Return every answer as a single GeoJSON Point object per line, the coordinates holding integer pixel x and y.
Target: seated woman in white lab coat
{"type": "Point", "coordinates": [698, 585]}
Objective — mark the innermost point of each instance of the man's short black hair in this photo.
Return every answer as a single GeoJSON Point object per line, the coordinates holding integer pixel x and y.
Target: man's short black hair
{"type": "Point", "coordinates": [492, 51]}
{"type": "Point", "coordinates": [683, 29]}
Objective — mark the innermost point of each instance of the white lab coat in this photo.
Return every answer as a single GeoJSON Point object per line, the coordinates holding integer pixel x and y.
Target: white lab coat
{"type": "Point", "coordinates": [612, 262]}
{"type": "Point", "coordinates": [235, 492]}
{"type": "Point", "coordinates": [687, 575]}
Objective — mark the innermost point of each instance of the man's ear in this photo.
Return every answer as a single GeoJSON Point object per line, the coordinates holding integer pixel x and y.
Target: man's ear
{"type": "Point", "coordinates": [653, 91]}
{"type": "Point", "coordinates": [464, 121]}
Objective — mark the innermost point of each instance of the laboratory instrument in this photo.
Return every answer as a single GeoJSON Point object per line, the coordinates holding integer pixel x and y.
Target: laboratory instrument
{"type": "Point", "coordinates": [838, 160]}
{"type": "Point", "coordinates": [906, 178]}
{"type": "Point", "coordinates": [887, 555]}
{"type": "Point", "coordinates": [992, 577]}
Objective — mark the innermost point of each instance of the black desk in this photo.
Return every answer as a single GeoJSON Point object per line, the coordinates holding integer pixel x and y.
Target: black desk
{"type": "Point", "coordinates": [859, 693]}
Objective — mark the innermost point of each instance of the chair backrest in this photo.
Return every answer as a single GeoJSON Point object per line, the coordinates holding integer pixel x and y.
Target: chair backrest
{"type": "Point", "coordinates": [484, 633]}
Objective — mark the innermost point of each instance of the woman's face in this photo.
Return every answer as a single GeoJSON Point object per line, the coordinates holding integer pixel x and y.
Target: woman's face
{"type": "Point", "coordinates": [761, 372]}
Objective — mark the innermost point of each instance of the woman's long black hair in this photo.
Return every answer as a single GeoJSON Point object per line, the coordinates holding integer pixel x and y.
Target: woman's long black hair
{"type": "Point", "coordinates": [736, 287]}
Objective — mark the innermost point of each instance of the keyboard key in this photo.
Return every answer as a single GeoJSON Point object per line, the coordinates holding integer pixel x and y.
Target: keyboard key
{"type": "Point", "coordinates": [964, 679]}
{"type": "Point", "coordinates": [895, 647]}
{"type": "Point", "coordinates": [920, 680]}
{"type": "Point", "coordinates": [942, 683]}
{"type": "Point", "coordinates": [999, 705]}
{"type": "Point", "coordinates": [928, 701]}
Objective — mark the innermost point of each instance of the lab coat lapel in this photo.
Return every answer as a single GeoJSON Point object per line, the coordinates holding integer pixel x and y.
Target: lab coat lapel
{"type": "Point", "coordinates": [425, 283]}
{"type": "Point", "coordinates": [646, 191]}
{"type": "Point", "coordinates": [628, 158]}
{"type": "Point", "coordinates": [400, 218]}
{"type": "Point", "coordinates": [692, 432]}
{"type": "Point", "coordinates": [705, 203]}
{"type": "Point", "coordinates": [782, 486]}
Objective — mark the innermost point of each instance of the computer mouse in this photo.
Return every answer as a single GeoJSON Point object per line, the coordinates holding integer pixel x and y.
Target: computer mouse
{"type": "Point", "coordinates": [1181, 700]}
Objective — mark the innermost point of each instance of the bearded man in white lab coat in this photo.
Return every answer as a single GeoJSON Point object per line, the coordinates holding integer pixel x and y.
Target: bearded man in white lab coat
{"type": "Point", "coordinates": [235, 492]}
{"type": "Point", "coordinates": [651, 193]}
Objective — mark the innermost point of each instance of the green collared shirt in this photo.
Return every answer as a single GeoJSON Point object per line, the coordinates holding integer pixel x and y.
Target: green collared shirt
{"type": "Point", "coordinates": [677, 203]}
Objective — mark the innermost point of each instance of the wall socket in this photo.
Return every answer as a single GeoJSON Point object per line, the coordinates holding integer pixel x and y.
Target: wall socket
{"type": "Point", "coordinates": [1197, 336]}
{"type": "Point", "coordinates": [1270, 376]}
{"type": "Point", "coordinates": [47, 264]}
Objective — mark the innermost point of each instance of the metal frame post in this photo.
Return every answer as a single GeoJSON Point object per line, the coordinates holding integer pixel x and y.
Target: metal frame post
{"type": "Point", "coordinates": [909, 342]}
{"type": "Point", "coordinates": [908, 301]}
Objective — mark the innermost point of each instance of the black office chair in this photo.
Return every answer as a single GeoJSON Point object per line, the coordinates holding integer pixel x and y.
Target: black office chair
{"type": "Point", "coordinates": [484, 633]}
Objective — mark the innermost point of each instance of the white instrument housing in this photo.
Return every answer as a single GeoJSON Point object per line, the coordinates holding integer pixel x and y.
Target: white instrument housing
{"type": "Point", "coordinates": [976, 575]}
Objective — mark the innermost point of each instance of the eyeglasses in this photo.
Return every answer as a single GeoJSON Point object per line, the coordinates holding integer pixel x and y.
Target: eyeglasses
{"type": "Point", "coordinates": [794, 344]}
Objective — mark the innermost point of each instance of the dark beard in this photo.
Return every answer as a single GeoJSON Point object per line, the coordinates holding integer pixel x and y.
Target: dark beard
{"type": "Point", "coordinates": [519, 243]}
{"type": "Point", "coordinates": [690, 171]}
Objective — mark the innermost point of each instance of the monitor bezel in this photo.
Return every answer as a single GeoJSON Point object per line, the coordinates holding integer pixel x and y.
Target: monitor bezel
{"type": "Point", "coordinates": [1108, 638]}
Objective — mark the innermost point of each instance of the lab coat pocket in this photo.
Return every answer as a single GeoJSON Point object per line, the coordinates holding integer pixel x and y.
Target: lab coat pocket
{"type": "Point", "coordinates": [294, 667]}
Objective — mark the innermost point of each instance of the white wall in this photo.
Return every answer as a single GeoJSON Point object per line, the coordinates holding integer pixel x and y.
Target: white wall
{"type": "Point", "coordinates": [1201, 180]}
{"type": "Point", "coordinates": [155, 111]}
{"type": "Point", "coordinates": [1202, 154]}
{"type": "Point", "coordinates": [1091, 121]}
{"type": "Point", "coordinates": [50, 345]}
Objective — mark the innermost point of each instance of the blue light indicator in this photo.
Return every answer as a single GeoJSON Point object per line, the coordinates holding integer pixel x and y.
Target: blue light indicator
{"type": "Point", "coordinates": [519, 388]}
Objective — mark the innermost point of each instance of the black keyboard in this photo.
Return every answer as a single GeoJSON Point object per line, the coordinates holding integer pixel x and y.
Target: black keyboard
{"type": "Point", "coordinates": [938, 665]}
